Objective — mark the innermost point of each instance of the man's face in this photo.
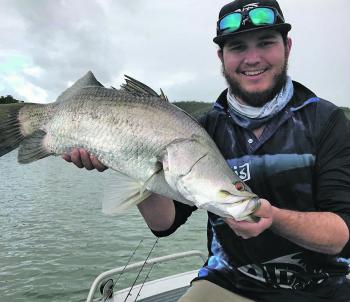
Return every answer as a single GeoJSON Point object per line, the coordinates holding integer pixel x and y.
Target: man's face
{"type": "Point", "coordinates": [255, 65]}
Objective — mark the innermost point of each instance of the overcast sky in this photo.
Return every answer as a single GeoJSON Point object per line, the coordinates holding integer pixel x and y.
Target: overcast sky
{"type": "Point", "coordinates": [48, 44]}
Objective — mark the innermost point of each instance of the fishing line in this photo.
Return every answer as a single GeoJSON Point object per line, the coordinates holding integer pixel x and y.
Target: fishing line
{"type": "Point", "coordinates": [143, 265]}
{"type": "Point", "coordinates": [132, 255]}
{"type": "Point", "coordinates": [122, 272]}
{"type": "Point", "coordinates": [144, 281]}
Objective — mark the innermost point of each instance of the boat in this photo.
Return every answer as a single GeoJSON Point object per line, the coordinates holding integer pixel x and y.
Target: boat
{"type": "Point", "coordinates": [166, 289]}
{"type": "Point", "coordinates": [169, 288]}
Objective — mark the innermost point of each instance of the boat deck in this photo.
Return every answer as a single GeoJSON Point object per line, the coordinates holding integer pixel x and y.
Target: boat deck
{"type": "Point", "coordinates": [166, 289]}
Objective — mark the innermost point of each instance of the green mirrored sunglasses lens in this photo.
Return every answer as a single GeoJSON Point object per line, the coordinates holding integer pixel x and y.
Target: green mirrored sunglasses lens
{"type": "Point", "coordinates": [262, 16]}
{"type": "Point", "coordinates": [230, 23]}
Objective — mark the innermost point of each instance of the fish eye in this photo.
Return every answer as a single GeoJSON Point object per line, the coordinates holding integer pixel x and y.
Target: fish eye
{"type": "Point", "coordinates": [239, 186]}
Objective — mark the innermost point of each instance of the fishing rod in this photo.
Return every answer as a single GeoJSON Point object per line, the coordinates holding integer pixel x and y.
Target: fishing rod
{"type": "Point", "coordinates": [110, 290]}
{"type": "Point", "coordinates": [144, 281]}
{"type": "Point", "coordinates": [133, 254]}
{"type": "Point", "coordinates": [143, 265]}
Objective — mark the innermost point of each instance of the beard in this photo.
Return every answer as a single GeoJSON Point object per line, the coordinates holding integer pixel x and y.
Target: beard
{"type": "Point", "coordinates": [260, 98]}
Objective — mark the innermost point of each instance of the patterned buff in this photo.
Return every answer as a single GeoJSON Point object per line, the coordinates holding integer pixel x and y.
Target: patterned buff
{"type": "Point", "coordinates": [254, 117]}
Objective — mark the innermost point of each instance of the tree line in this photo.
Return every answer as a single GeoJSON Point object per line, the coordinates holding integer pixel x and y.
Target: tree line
{"type": "Point", "coordinates": [193, 107]}
{"type": "Point", "coordinates": [9, 99]}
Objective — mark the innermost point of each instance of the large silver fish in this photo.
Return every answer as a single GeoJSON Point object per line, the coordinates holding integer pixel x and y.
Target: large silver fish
{"type": "Point", "coordinates": [152, 144]}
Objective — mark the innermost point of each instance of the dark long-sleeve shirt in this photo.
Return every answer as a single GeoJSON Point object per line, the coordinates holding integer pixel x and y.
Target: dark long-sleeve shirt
{"type": "Point", "coordinates": [301, 162]}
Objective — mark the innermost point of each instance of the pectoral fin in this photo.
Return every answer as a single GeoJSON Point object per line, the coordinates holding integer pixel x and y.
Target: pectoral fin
{"type": "Point", "coordinates": [125, 193]}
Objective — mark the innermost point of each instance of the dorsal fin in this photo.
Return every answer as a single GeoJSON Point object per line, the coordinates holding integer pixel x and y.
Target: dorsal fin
{"type": "Point", "coordinates": [137, 88]}
{"type": "Point", "coordinates": [87, 80]}
{"type": "Point", "coordinates": [163, 96]}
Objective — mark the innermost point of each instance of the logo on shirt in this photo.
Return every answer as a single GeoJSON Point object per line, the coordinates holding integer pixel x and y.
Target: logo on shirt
{"type": "Point", "coordinates": [285, 272]}
{"type": "Point", "coordinates": [242, 171]}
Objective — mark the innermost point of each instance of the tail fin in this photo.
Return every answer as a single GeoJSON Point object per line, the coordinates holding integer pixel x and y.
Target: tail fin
{"type": "Point", "coordinates": [10, 132]}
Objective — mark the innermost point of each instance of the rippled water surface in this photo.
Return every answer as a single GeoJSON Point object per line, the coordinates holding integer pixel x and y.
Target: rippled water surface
{"type": "Point", "coordinates": [55, 240]}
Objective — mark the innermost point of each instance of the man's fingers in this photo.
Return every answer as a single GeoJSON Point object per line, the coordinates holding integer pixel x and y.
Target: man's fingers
{"type": "Point", "coordinates": [67, 158]}
{"type": "Point", "coordinates": [75, 158]}
{"type": "Point", "coordinates": [82, 159]}
{"type": "Point", "coordinates": [264, 211]}
{"type": "Point", "coordinates": [97, 164]}
{"type": "Point", "coordinates": [85, 159]}
{"type": "Point", "coordinates": [247, 229]}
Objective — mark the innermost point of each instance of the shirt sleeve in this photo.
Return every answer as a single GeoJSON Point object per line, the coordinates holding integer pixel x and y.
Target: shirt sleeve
{"type": "Point", "coordinates": [333, 169]}
{"type": "Point", "coordinates": [182, 212]}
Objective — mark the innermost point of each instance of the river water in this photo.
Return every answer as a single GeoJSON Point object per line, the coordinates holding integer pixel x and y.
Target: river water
{"type": "Point", "coordinates": [54, 239]}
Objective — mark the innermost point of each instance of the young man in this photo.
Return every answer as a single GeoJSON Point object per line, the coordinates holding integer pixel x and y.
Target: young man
{"type": "Point", "coordinates": [293, 149]}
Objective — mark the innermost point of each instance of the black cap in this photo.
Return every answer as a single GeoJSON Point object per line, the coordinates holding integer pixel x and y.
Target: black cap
{"type": "Point", "coordinates": [244, 5]}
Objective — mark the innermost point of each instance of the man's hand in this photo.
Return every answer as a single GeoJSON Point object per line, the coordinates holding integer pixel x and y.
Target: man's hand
{"type": "Point", "coordinates": [82, 159]}
{"type": "Point", "coordinates": [247, 229]}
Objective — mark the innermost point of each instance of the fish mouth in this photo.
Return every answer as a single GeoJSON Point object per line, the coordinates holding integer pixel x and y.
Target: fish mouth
{"type": "Point", "coordinates": [257, 205]}
{"type": "Point", "coordinates": [252, 206]}
{"type": "Point", "coordinates": [239, 210]}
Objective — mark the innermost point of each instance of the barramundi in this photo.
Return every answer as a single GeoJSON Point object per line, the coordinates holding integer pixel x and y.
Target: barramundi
{"type": "Point", "coordinates": [151, 144]}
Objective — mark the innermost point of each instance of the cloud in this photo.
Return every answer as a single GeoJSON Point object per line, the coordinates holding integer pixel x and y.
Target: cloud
{"type": "Point", "coordinates": [166, 44]}
{"type": "Point", "coordinates": [179, 78]}
{"type": "Point", "coordinates": [15, 72]}
{"type": "Point", "coordinates": [25, 89]}
{"type": "Point", "coordinates": [33, 71]}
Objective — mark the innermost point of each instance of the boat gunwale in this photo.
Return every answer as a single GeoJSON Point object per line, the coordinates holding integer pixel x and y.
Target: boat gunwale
{"type": "Point", "coordinates": [98, 280]}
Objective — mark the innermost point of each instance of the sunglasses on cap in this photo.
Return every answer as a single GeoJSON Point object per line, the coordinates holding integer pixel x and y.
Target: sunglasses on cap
{"type": "Point", "coordinates": [259, 16]}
